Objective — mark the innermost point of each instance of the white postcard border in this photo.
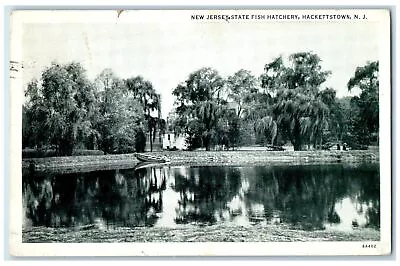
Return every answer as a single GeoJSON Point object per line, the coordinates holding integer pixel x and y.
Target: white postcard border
{"type": "Point", "coordinates": [18, 248]}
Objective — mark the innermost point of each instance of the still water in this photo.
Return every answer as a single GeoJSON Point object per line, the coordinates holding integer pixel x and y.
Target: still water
{"type": "Point", "coordinates": [306, 197]}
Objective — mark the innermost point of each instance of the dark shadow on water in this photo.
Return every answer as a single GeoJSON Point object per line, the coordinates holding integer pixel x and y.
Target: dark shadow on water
{"type": "Point", "coordinates": [306, 197]}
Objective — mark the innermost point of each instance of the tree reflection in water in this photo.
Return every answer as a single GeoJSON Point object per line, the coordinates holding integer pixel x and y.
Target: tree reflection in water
{"type": "Point", "coordinates": [305, 197]}
{"type": "Point", "coordinates": [101, 198]}
{"type": "Point", "coordinates": [204, 193]}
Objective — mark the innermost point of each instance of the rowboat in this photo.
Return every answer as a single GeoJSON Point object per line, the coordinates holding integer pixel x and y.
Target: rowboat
{"type": "Point", "coordinates": [150, 158]}
{"type": "Point", "coordinates": [142, 165]}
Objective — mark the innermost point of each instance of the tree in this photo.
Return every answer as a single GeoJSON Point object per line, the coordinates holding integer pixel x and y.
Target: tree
{"type": "Point", "coordinates": [343, 116]}
{"type": "Point", "coordinates": [227, 128]}
{"type": "Point", "coordinates": [199, 100]}
{"type": "Point", "coordinates": [366, 79]}
{"type": "Point", "coordinates": [120, 115]}
{"type": "Point", "coordinates": [258, 111]}
{"type": "Point", "coordinates": [233, 129]}
{"type": "Point", "coordinates": [322, 117]}
{"type": "Point", "coordinates": [144, 92]}
{"type": "Point", "coordinates": [243, 89]}
{"type": "Point", "coordinates": [346, 117]}
{"type": "Point", "coordinates": [34, 117]}
{"type": "Point", "coordinates": [245, 96]}
{"type": "Point", "coordinates": [266, 126]}
{"type": "Point", "coordinates": [58, 108]}
{"type": "Point", "coordinates": [297, 103]}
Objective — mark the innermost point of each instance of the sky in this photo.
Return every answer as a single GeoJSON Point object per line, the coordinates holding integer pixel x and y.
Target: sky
{"type": "Point", "coordinates": [165, 53]}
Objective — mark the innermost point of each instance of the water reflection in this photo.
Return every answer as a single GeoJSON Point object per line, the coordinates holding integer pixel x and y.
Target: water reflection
{"type": "Point", "coordinates": [106, 198]}
{"type": "Point", "coordinates": [305, 197]}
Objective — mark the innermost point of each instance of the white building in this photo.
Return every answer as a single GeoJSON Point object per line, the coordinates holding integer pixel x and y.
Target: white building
{"type": "Point", "coordinates": [171, 141]}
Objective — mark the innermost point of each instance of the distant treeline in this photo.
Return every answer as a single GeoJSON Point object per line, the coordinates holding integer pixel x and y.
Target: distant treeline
{"type": "Point", "coordinates": [65, 111]}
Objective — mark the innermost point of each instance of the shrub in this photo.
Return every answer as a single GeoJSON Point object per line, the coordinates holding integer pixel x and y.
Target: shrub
{"type": "Point", "coordinates": [79, 152]}
{"type": "Point", "coordinates": [34, 153]}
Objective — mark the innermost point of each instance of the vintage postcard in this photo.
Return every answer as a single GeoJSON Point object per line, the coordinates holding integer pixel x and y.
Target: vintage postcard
{"type": "Point", "coordinates": [249, 132]}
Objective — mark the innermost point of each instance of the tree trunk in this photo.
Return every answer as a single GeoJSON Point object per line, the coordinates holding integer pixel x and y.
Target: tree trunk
{"type": "Point", "coordinates": [207, 141]}
{"type": "Point", "coordinates": [65, 146]}
{"type": "Point", "coordinates": [297, 136]}
{"type": "Point", "coordinates": [151, 140]}
{"type": "Point", "coordinates": [297, 146]}
{"type": "Point", "coordinates": [150, 130]}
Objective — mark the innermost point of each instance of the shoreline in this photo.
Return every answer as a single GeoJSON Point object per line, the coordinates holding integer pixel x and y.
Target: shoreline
{"type": "Point", "coordinates": [201, 158]}
{"type": "Point", "coordinates": [193, 233]}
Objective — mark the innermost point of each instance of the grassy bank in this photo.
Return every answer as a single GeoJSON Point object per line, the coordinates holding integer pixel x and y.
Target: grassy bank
{"type": "Point", "coordinates": [242, 157]}
{"type": "Point", "coordinates": [266, 157]}
{"type": "Point", "coordinates": [81, 163]}
{"type": "Point", "coordinates": [191, 233]}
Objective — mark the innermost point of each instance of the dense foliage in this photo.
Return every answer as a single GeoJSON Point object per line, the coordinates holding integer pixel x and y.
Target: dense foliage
{"type": "Point", "coordinates": [64, 111]}
{"type": "Point", "coordinates": [59, 108]}
{"type": "Point", "coordinates": [203, 112]}
{"type": "Point", "coordinates": [366, 105]}
{"type": "Point", "coordinates": [287, 103]}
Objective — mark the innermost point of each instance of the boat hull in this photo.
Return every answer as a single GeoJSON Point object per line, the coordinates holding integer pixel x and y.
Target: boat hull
{"type": "Point", "coordinates": [149, 158]}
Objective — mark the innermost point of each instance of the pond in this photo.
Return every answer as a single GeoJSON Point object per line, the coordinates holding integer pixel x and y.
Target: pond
{"type": "Point", "coordinates": [305, 197]}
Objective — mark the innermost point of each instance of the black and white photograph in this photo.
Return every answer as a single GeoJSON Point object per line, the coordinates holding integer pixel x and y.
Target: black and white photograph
{"type": "Point", "coordinates": [200, 132]}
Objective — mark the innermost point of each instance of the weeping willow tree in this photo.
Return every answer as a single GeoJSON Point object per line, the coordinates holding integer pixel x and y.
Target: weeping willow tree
{"type": "Point", "coordinates": [297, 107]}
{"type": "Point", "coordinates": [268, 127]}
{"type": "Point", "coordinates": [208, 113]}
{"type": "Point", "coordinates": [320, 117]}
{"type": "Point", "coordinates": [59, 109]}
{"type": "Point", "coordinates": [200, 105]}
